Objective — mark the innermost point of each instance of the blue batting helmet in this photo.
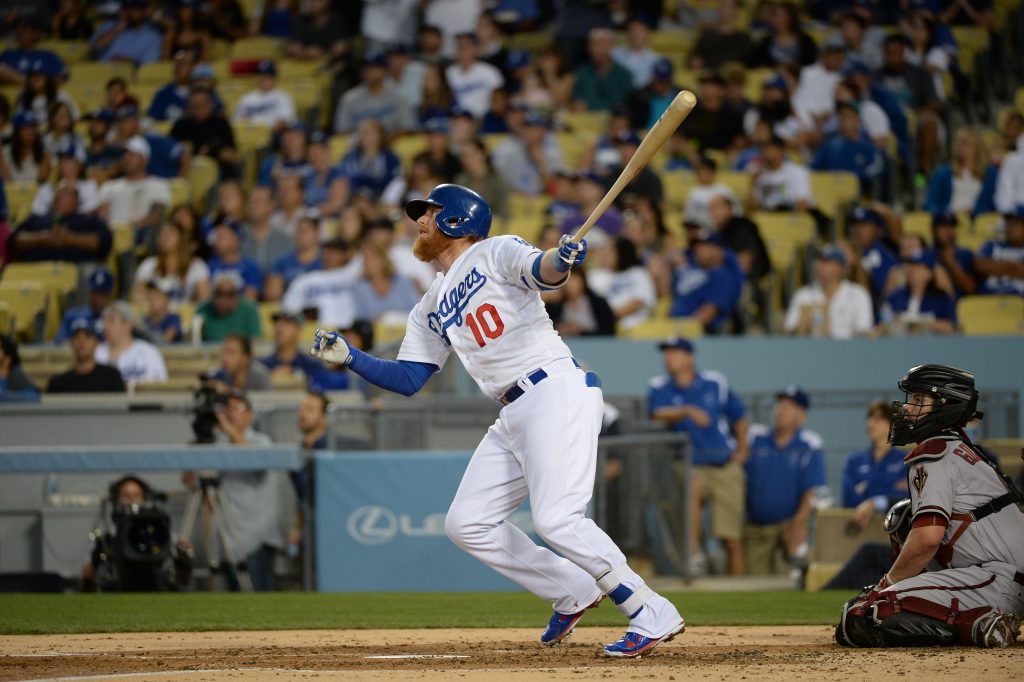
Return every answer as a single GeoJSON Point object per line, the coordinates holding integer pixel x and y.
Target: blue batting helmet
{"type": "Point", "coordinates": [464, 213]}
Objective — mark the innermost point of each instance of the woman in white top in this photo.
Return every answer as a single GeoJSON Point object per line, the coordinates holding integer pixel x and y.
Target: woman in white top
{"type": "Point", "coordinates": [174, 263]}
{"type": "Point", "coordinates": [926, 53]}
{"type": "Point", "coordinates": [23, 158]}
{"type": "Point", "coordinates": [625, 283]}
{"type": "Point", "coordinates": [60, 132]}
{"type": "Point", "coordinates": [40, 93]}
{"type": "Point", "coordinates": [71, 170]}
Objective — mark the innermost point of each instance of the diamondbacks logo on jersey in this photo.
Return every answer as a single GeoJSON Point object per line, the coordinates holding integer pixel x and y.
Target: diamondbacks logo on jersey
{"type": "Point", "coordinates": [449, 310]}
{"type": "Point", "coordinates": [920, 478]}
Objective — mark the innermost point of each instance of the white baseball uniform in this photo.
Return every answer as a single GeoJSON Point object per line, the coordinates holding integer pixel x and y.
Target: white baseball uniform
{"type": "Point", "coordinates": [487, 308]}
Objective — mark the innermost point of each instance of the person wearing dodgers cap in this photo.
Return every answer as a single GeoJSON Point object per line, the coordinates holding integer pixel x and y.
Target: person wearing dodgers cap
{"type": "Point", "coordinates": [919, 305]}
{"type": "Point", "coordinates": [267, 105]}
{"type": "Point", "coordinates": [86, 375]}
{"type": "Point", "coordinates": [701, 404]}
{"type": "Point", "coordinates": [830, 306]}
{"type": "Point", "coordinates": [957, 261]}
{"type": "Point", "coordinates": [785, 471]}
{"type": "Point", "coordinates": [1001, 262]}
{"type": "Point", "coordinates": [101, 292]}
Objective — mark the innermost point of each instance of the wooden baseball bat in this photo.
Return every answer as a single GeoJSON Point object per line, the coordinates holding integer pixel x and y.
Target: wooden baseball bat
{"type": "Point", "coordinates": [659, 133]}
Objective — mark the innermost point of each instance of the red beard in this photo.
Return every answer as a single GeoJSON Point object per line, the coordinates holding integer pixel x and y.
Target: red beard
{"type": "Point", "coordinates": [429, 246]}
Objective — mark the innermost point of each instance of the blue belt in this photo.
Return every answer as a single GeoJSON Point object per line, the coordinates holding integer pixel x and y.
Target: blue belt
{"type": "Point", "coordinates": [516, 392]}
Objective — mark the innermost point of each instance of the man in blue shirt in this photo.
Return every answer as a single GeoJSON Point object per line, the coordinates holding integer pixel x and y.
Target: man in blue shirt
{"type": "Point", "coordinates": [874, 478]}
{"type": "Point", "coordinates": [849, 149]}
{"type": "Point", "coordinates": [15, 62]}
{"type": "Point", "coordinates": [702, 405]}
{"type": "Point", "coordinates": [944, 252]}
{"type": "Point", "coordinates": [227, 250]}
{"type": "Point", "coordinates": [870, 252]}
{"type": "Point", "coordinates": [169, 102]}
{"type": "Point", "coordinates": [167, 156]}
{"type": "Point", "coordinates": [131, 39]}
{"type": "Point", "coordinates": [708, 284]}
{"type": "Point", "coordinates": [1001, 263]}
{"type": "Point", "coordinates": [287, 359]}
{"type": "Point", "coordinates": [101, 292]}
{"type": "Point", "coordinates": [785, 468]}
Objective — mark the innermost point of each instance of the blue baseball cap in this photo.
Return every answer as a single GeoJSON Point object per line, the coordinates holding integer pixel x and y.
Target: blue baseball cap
{"type": "Point", "coordinates": [266, 67]}
{"type": "Point", "coordinates": [866, 215]}
{"type": "Point", "coordinates": [127, 111]}
{"type": "Point", "coordinates": [84, 324]}
{"type": "Point", "coordinates": [536, 118]}
{"type": "Point", "coordinates": [25, 118]}
{"type": "Point", "coordinates": [101, 280]}
{"type": "Point", "coordinates": [940, 218]}
{"type": "Point", "coordinates": [776, 81]}
{"type": "Point", "coordinates": [375, 58]}
{"type": "Point", "coordinates": [710, 236]}
{"type": "Point", "coordinates": [517, 59]}
{"type": "Point", "coordinates": [461, 112]}
{"type": "Point", "coordinates": [437, 124]}
{"type": "Point", "coordinates": [105, 114]}
{"type": "Point", "coordinates": [662, 69]}
{"type": "Point", "coordinates": [627, 136]}
{"type": "Point", "coordinates": [796, 394]}
{"type": "Point", "coordinates": [318, 137]}
{"type": "Point", "coordinates": [677, 342]}
{"type": "Point", "coordinates": [45, 67]}
{"type": "Point", "coordinates": [71, 150]}
{"type": "Point", "coordinates": [856, 67]}
{"type": "Point", "coordinates": [831, 252]}
{"type": "Point", "coordinates": [591, 176]}
{"type": "Point", "coordinates": [233, 225]}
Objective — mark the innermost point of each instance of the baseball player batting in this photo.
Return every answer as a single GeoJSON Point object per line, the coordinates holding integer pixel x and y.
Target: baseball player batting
{"type": "Point", "coordinates": [486, 306]}
{"type": "Point", "coordinates": [958, 577]}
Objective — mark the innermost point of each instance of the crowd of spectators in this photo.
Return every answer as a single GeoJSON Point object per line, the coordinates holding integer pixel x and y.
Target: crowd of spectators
{"type": "Point", "coordinates": [319, 230]}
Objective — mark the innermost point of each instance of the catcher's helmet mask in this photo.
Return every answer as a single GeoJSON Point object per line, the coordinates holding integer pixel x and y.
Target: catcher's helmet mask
{"type": "Point", "coordinates": [955, 403]}
{"type": "Point", "coordinates": [461, 211]}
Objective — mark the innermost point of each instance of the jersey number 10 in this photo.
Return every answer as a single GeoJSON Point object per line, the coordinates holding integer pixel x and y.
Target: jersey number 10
{"type": "Point", "coordinates": [485, 322]}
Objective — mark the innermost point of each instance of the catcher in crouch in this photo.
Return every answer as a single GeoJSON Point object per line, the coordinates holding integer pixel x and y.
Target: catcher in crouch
{"type": "Point", "coordinates": [958, 577]}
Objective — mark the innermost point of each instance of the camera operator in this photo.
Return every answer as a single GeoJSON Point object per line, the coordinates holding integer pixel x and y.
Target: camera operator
{"type": "Point", "coordinates": [136, 552]}
{"type": "Point", "coordinates": [258, 506]}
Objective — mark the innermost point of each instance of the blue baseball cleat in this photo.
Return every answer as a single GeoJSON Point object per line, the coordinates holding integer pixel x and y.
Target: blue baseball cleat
{"type": "Point", "coordinates": [634, 645]}
{"type": "Point", "coordinates": [561, 625]}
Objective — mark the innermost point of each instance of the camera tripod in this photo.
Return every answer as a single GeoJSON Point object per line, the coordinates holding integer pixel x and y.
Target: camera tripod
{"type": "Point", "coordinates": [204, 498]}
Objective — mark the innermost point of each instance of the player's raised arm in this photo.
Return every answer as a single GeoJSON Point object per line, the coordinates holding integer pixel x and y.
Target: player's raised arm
{"type": "Point", "coordinates": [552, 266]}
{"type": "Point", "coordinates": [399, 376]}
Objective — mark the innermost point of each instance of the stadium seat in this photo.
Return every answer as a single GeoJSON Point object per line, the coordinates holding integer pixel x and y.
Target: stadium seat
{"type": "Point", "coordinates": [28, 301]}
{"type": "Point", "coordinates": [7, 319]}
{"type": "Point", "coordinates": [181, 191]}
{"type": "Point", "coordinates": [202, 176]}
{"type": "Point", "coordinates": [71, 52]}
{"type": "Point", "coordinates": [737, 181]}
{"type": "Point", "coordinates": [290, 69]}
{"type": "Point", "coordinates": [267, 311]}
{"type": "Point", "coordinates": [59, 279]}
{"type": "Point", "coordinates": [1018, 100]}
{"type": "Point", "coordinates": [307, 93]}
{"type": "Point", "coordinates": [991, 315]}
{"type": "Point", "coordinates": [799, 227]}
{"type": "Point", "coordinates": [408, 146]}
{"type": "Point", "coordinates": [99, 73]}
{"type": "Point", "coordinates": [593, 122]}
{"type": "Point", "coordinates": [256, 47]}
{"type": "Point", "coordinates": [526, 226]}
{"type": "Point", "coordinates": [657, 329]}
{"type": "Point", "coordinates": [531, 41]}
{"type": "Point", "coordinates": [20, 194]}
{"type": "Point", "coordinates": [523, 205]}
{"type": "Point", "coordinates": [573, 146]}
{"type": "Point", "coordinates": [986, 223]}
{"type": "Point", "coordinates": [677, 185]}
{"type": "Point", "coordinates": [833, 192]}
{"type": "Point", "coordinates": [339, 145]}
{"type": "Point", "coordinates": [919, 223]}
{"type": "Point", "coordinates": [155, 73]}
{"type": "Point", "coordinates": [492, 140]}
{"type": "Point", "coordinates": [680, 41]}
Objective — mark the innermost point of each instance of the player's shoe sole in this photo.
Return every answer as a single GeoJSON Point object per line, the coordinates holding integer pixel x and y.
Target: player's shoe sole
{"type": "Point", "coordinates": [998, 630]}
{"type": "Point", "coordinates": [561, 625]}
{"type": "Point", "coordinates": [635, 645]}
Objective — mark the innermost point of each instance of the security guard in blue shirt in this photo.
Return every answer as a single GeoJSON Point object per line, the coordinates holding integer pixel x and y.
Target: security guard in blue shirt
{"type": "Point", "coordinates": [874, 478]}
{"type": "Point", "coordinates": [785, 469]}
{"type": "Point", "coordinates": [702, 405]}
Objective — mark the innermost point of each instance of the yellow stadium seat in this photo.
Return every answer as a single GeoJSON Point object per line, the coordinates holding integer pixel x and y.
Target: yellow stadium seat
{"type": "Point", "coordinates": [70, 52]}
{"type": "Point", "coordinates": [595, 122]}
{"type": "Point", "coordinates": [531, 41]}
{"type": "Point", "coordinates": [573, 146]}
{"type": "Point", "coordinates": [986, 223]}
{"type": "Point", "coordinates": [290, 69]}
{"type": "Point", "coordinates": [793, 225]}
{"type": "Point", "coordinates": [339, 146]}
{"type": "Point", "coordinates": [155, 73]}
{"type": "Point", "coordinates": [19, 199]}
{"type": "Point", "coordinates": [991, 315]}
{"type": "Point", "coordinates": [59, 279]}
{"type": "Point", "coordinates": [832, 192]}
{"type": "Point", "coordinates": [1018, 100]}
{"type": "Point", "coordinates": [257, 47]}
{"type": "Point", "coordinates": [144, 92]}
{"type": "Point", "coordinates": [408, 146]}
{"type": "Point", "coordinates": [384, 332]}
{"type": "Point", "coordinates": [202, 175]}
{"type": "Point", "coordinates": [524, 205]}
{"type": "Point", "coordinates": [181, 191]}
{"type": "Point", "coordinates": [306, 93]}
{"type": "Point", "coordinates": [27, 301]}
{"type": "Point", "coordinates": [677, 185]}
{"type": "Point", "coordinates": [124, 237]}
{"type": "Point", "coordinates": [492, 140]}
{"type": "Point", "coordinates": [7, 319]}
{"type": "Point", "coordinates": [187, 313]}
{"type": "Point", "coordinates": [267, 311]}
{"type": "Point", "coordinates": [526, 226]}
{"type": "Point", "coordinates": [737, 181]}
{"type": "Point", "coordinates": [919, 223]}
{"type": "Point", "coordinates": [679, 41]}
{"type": "Point", "coordinates": [99, 72]}
{"type": "Point", "coordinates": [251, 8]}
{"type": "Point", "coordinates": [663, 328]}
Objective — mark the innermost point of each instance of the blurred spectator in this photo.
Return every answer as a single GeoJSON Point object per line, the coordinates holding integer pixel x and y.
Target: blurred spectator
{"type": "Point", "coordinates": [874, 478]}
{"type": "Point", "coordinates": [16, 61]}
{"type": "Point", "coordinates": [303, 258]}
{"type": "Point", "coordinates": [647, 105]}
{"type": "Point", "coordinates": [137, 198]}
{"type": "Point", "coordinates": [41, 91]}
{"type": "Point", "coordinates": [102, 157]}
{"type": "Point", "coordinates": [776, 109]}
{"type": "Point", "coordinates": [14, 382]}
{"type": "Point", "coordinates": [706, 189]}
{"type": "Point", "coordinates": [850, 150]}
{"type": "Point", "coordinates": [23, 158]}
{"type": "Point", "coordinates": [70, 171]}
{"type": "Point", "coordinates": [406, 74]}
{"type": "Point", "coordinates": [722, 42]}
{"type": "Point", "coordinates": [785, 471]}
{"type": "Point", "coordinates": [966, 184]}
{"type": "Point", "coordinates": [167, 157]}
{"type": "Point", "coordinates": [371, 164]}
{"type": "Point", "coordinates": [577, 311]}
{"type": "Point", "coordinates": [230, 206]}
{"type": "Point", "coordinates": [159, 323]}
{"type": "Point", "coordinates": [398, 242]}
{"type": "Point", "coordinates": [375, 98]}
{"type": "Point", "coordinates": [261, 243]}
{"type": "Point", "coordinates": [919, 306]}
{"type": "Point", "coordinates": [780, 184]}
{"type": "Point", "coordinates": [454, 18]}
{"type": "Point", "coordinates": [858, 41]}
{"type": "Point", "coordinates": [260, 504]}
{"type": "Point", "coordinates": [555, 76]}
{"type": "Point", "coordinates": [619, 276]}
{"type": "Point", "coordinates": [736, 101]}
{"type": "Point", "coordinates": [786, 42]}
{"type": "Point", "coordinates": [60, 133]}
{"type": "Point", "coordinates": [869, 90]}
{"type": "Point", "coordinates": [742, 236]}
{"type": "Point", "coordinates": [463, 127]}
{"type": "Point", "coordinates": [1011, 136]}
{"type": "Point", "coordinates": [1010, 183]}
{"type": "Point", "coordinates": [915, 92]}
{"type": "Point", "coordinates": [328, 292]}
{"type": "Point", "coordinates": [702, 405]}
{"type": "Point", "coordinates": [101, 293]}
{"type": "Point", "coordinates": [472, 80]}
{"type": "Point", "coordinates": [325, 188]}
{"type": "Point", "coordinates": [1000, 263]}
{"type": "Point", "coordinates": [489, 46]}
{"type": "Point", "coordinates": [430, 42]}
{"type": "Point", "coordinates": [711, 125]}
{"type": "Point", "coordinates": [945, 253]}
{"type": "Point", "coordinates": [238, 371]}
{"type": "Point", "coordinates": [175, 267]}
{"type": "Point", "coordinates": [267, 105]}
{"type": "Point", "coordinates": [312, 421]}
{"type": "Point", "coordinates": [590, 189]}
{"type": "Point", "coordinates": [320, 33]}
{"type": "Point", "coordinates": [130, 38]}
{"type": "Point", "coordinates": [86, 375]}
{"type": "Point", "coordinates": [381, 294]}
{"type": "Point", "coordinates": [830, 306]}
{"type": "Point", "coordinates": [118, 95]}
{"type": "Point", "coordinates": [170, 101]}
{"type": "Point", "coordinates": [61, 234]}
{"type": "Point", "coordinates": [479, 175]}
{"type": "Point", "coordinates": [291, 157]}
{"type": "Point", "coordinates": [873, 118]}
{"type": "Point", "coordinates": [225, 19]}
{"type": "Point", "coordinates": [646, 183]}
{"type": "Point", "coordinates": [527, 160]}
{"type": "Point", "coordinates": [925, 52]}
{"type": "Point", "coordinates": [206, 132]}
{"type": "Point", "coordinates": [574, 26]}
{"type": "Point", "coordinates": [385, 24]}
{"type": "Point", "coordinates": [563, 200]}
{"type": "Point", "coordinates": [137, 360]}
{"type": "Point", "coordinates": [436, 100]}
{"type": "Point", "coordinates": [227, 257]}
{"type": "Point", "coordinates": [636, 55]}
{"type": "Point", "coordinates": [289, 356]}
{"type": "Point", "coordinates": [814, 96]}
{"type": "Point", "coordinates": [187, 33]}
{"type": "Point", "coordinates": [869, 254]}
{"type": "Point", "coordinates": [601, 84]}
{"type": "Point", "coordinates": [228, 311]}
{"type": "Point", "coordinates": [707, 284]}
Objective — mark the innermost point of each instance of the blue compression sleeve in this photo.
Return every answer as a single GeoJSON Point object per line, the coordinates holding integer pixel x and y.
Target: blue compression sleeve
{"type": "Point", "coordinates": [399, 376]}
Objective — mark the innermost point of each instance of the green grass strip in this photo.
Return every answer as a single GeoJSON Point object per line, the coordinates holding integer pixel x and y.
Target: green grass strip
{"type": "Point", "coordinates": [88, 613]}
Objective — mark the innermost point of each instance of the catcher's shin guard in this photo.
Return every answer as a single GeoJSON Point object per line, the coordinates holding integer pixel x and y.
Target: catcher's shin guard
{"type": "Point", "coordinates": [871, 623]}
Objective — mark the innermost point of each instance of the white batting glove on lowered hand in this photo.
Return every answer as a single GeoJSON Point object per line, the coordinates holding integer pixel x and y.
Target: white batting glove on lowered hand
{"type": "Point", "coordinates": [331, 347]}
{"type": "Point", "coordinates": [569, 253]}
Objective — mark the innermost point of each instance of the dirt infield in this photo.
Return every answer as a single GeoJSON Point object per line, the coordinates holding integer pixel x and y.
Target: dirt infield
{"type": "Point", "coordinates": [702, 653]}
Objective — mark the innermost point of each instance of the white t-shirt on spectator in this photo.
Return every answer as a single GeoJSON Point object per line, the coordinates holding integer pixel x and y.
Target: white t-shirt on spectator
{"type": "Point", "coordinates": [452, 17]}
{"type": "Point", "coordinates": [815, 94]}
{"type": "Point", "coordinates": [787, 129]}
{"type": "Point", "coordinates": [182, 290]}
{"type": "Point", "coordinates": [639, 64]}
{"type": "Point", "coordinates": [700, 198]}
{"type": "Point", "coordinates": [266, 108]}
{"type": "Point", "coordinates": [1010, 181]}
{"type": "Point", "coordinates": [472, 87]}
{"type": "Point", "coordinates": [783, 187]}
{"type": "Point", "coordinates": [131, 200]}
{"type": "Point", "coordinates": [408, 265]}
{"type": "Point", "coordinates": [88, 197]}
{"type": "Point", "coordinates": [849, 313]}
{"type": "Point", "coordinates": [390, 22]}
{"type": "Point", "coordinates": [329, 291]}
{"type": "Point", "coordinates": [630, 285]}
{"type": "Point", "coordinates": [141, 361]}
{"type": "Point", "coordinates": [936, 61]}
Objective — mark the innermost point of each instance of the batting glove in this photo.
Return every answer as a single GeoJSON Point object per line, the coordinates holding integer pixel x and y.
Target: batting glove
{"type": "Point", "coordinates": [569, 253]}
{"type": "Point", "coordinates": [331, 347]}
